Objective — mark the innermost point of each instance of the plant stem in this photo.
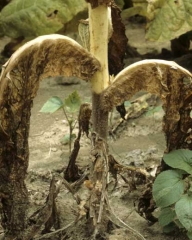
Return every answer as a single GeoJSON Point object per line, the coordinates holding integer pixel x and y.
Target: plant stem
{"type": "Point", "coordinates": [70, 123]}
{"type": "Point", "coordinates": [66, 115]}
{"type": "Point", "coordinates": [99, 117]}
{"type": "Point", "coordinates": [70, 135]}
{"type": "Point", "coordinates": [98, 25]}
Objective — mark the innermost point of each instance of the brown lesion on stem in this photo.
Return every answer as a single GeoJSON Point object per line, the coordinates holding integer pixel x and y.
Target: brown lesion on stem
{"type": "Point", "coordinates": [100, 212]}
{"type": "Point", "coordinates": [99, 117]}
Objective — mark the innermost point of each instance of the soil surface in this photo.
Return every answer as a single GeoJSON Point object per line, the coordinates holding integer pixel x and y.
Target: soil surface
{"type": "Point", "coordinates": [139, 142]}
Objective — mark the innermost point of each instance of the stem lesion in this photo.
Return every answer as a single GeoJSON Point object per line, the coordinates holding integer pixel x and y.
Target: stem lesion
{"type": "Point", "coordinates": [99, 34]}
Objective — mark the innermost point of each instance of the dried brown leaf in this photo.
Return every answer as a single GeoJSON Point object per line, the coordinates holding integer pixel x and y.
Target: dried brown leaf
{"type": "Point", "coordinates": [166, 79]}
{"type": "Point", "coordinates": [117, 43]}
{"type": "Point", "coordinates": [50, 55]}
{"type": "Point", "coordinates": [84, 118]}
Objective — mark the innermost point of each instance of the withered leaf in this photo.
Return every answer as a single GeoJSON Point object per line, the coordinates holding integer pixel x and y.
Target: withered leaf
{"type": "Point", "coordinates": [166, 79]}
{"type": "Point", "coordinates": [121, 109]}
{"type": "Point", "coordinates": [117, 48]}
{"type": "Point", "coordinates": [117, 43]}
{"type": "Point", "coordinates": [50, 55]}
{"type": "Point", "coordinates": [84, 117]}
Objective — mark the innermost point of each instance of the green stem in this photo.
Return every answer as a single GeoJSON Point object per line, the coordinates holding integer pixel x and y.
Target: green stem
{"type": "Point", "coordinates": [70, 123]}
{"type": "Point", "coordinates": [70, 135]}
{"type": "Point", "coordinates": [65, 114]}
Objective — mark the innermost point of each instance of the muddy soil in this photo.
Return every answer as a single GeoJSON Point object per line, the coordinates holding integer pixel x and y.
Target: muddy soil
{"type": "Point", "coordinates": [140, 142]}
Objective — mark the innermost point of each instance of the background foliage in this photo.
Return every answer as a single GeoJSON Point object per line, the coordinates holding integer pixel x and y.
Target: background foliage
{"type": "Point", "coordinates": [33, 18]}
{"type": "Point", "coordinates": [29, 19]}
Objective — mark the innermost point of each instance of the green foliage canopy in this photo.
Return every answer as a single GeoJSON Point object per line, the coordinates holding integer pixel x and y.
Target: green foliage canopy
{"type": "Point", "coordinates": [33, 18]}
{"type": "Point", "coordinates": [168, 19]}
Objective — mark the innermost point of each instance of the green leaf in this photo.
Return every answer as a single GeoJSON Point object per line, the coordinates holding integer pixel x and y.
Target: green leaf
{"type": "Point", "coordinates": [120, 3]}
{"type": "Point", "coordinates": [176, 14]}
{"type": "Point", "coordinates": [189, 235]}
{"type": "Point", "coordinates": [66, 139]}
{"type": "Point", "coordinates": [52, 105]}
{"type": "Point", "coordinates": [73, 102]}
{"type": "Point", "coordinates": [166, 216]}
{"type": "Point", "coordinates": [168, 188]}
{"type": "Point", "coordinates": [183, 209]}
{"type": "Point", "coordinates": [139, 8]}
{"type": "Point", "coordinates": [178, 223]}
{"type": "Point", "coordinates": [153, 110]}
{"type": "Point", "coordinates": [127, 103]}
{"type": "Point", "coordinates": [181, 159]}
{"type": "Point", "coordinates": [169, 228]}
{"type": "Point", "coordinates": [33, 18]}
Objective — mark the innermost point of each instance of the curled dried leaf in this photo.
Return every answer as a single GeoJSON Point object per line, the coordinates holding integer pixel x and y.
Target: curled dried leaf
{"type": "Point", "coordinates": [154, 76]}
{"type": "Point", "coordinates": [50, 55]}
{"type": "Point", "coordinates": [117, 43]}
{"type": "Point", "coordinates": [84, 117]}
{"type": "Point", "coordinates": [166, 79]}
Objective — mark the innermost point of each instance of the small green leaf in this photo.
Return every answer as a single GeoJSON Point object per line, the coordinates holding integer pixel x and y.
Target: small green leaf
{"type": "Point", "coordinates": [127, 103]}
{"type": "Point", "coordinates": [189, 235]}
{"type": "Point", "coordinates": [183, 209]}
{"type": "Point", "coordinates": [73, 102]}
{"type": "Point", "coordinates": [153, 110]}
{"type": "Point", "coordinates": [65, 140]}
{"type": "Point", "coordinates": [52, 105]}
{"type": "Point", "coordinates": [178, 223]}
{"type": "Point", "coordinates": [168, 188]}
{"type": "Point", "coordinates": [169, 228]}
{"type": "Point", "coordinates": [166, 216]}
{"type": "Point", "coordinates": [181, 159]}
